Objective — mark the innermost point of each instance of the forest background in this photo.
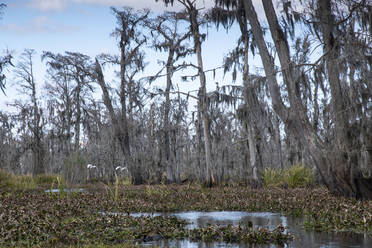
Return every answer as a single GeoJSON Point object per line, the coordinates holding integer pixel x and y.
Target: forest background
{"type": "Point", "coordinates": [293, 88]}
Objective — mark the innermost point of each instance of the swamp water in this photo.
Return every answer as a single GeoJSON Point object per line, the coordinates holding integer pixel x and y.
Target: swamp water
{"type": "Point", "coordinates": [302, 238]}
{"type": "Point", "coordinates": [63, 190]}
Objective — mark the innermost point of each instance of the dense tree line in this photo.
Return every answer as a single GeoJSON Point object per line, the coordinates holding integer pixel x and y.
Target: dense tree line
{"type": "Point", "coordinates": [312, 104]}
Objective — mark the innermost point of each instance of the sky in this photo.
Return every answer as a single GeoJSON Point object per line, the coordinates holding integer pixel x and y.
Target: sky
{"type": "Point", "coordinates": [84, 26]}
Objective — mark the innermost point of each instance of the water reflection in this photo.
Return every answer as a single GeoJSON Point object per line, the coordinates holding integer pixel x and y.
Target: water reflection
{"type": "Point", "coordinates": [64, 190]}
{"type": "Point", "coordinates": [202, 219]}
{"type": "Point", "coordinates": [325, 240]}
{"type": "Point", "coordinates": [266, 220]}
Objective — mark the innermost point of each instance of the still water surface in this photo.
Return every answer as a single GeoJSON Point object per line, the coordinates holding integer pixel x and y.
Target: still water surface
{"type": "Point", "coordinates": [302, 238]}
{"type": "Point", "coordinates": [63, 190]}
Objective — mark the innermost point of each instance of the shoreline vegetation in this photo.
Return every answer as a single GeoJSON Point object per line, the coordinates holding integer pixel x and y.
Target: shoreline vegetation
{"type": "Point", "coordinates": [31, 217]}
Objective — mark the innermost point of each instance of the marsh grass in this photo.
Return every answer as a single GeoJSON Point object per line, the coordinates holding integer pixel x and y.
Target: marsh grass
{"type": "Point", "coordinates": [299, 176]}
{"type": "Point", "coordinates": [45, 179]}
{"type": "Point", "coordinates": [4, 179]}
{"type": "Point", "coordinates": [116, 196]}
{"type": "Point", "coordinates": [10, 181]}
{"type": "Point", "coordinates": [114, 190]}
{"type": "Point", "coordinates": [273, 177]}
{"type": "Point", "coordinates": [296, 176]}
{"type": "Point", "coordinates": [59, 183]}
{"type": "Point", "coordinates": [23, 182]}
{"type": "Point", "coordinates": [157, 191]}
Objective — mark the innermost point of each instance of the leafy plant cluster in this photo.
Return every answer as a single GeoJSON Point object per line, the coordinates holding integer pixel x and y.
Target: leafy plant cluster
{"type": "Point", "coordinates": [296, 176]}
{"type": "Point", "coordinates": [239, 234]}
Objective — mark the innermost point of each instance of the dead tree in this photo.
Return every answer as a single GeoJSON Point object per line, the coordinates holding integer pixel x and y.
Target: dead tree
{"type": "Point", "coordinates": [24, 73]}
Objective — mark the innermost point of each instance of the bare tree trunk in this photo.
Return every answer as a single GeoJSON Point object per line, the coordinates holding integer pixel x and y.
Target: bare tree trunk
{"type": "Point", "coordinates": [250, 126]}
{"type": "Point", "coordinates": [24, 72]}
{"type": "Point", "coordinates": [107, 101]}
{"type": "Point", "coordinates": [124, 139]}
{"type": "Point", "coordinates": [166, 127]}
{"type": "Point", "coordinates": [252, 153]}
{"type": "Point", "coordinates": [338, 106]}
{"type": "Point", "coordinates": [267, 60]}
{"type": "Point", "coordinates": [251, 103]}
{"type": "Point", "coordinates": [78, 117]}
{"type": "Point", "coordinates": [200, 138]}
{"type": "Point", "coordinates": [67, 141]}
{"type": "Point", "coordinates": [209, 177]}
{"type": "Point", "coordinates": [331, 51]}
{"type": "Point", "coordinates": [37, 149]}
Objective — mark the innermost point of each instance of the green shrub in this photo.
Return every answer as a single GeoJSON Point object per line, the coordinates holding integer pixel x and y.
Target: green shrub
{"type": "Point", "coordinates": [299, 176]}
{"type": "Point", "coordinates": [296, 176]}
{"type": "Point", "coordinates": [273, 178]}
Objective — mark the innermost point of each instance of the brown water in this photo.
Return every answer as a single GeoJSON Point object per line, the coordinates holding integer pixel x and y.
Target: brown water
{"type": "Point", "coordinates": [302, 238]}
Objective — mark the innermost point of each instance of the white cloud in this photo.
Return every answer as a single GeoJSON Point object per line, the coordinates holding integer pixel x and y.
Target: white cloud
{"type": "Point", "coordinates": [141, 4]}
{"type": "Point", "coordinates": [39, 25]}
{"type": "Point", "coordinates": [59, 5]}
{"type": "Point", "coordinates": [48, 5]}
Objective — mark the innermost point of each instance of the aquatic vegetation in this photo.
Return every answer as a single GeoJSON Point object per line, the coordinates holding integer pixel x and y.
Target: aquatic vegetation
{"type": "Point", "coordinates": [35, 218]}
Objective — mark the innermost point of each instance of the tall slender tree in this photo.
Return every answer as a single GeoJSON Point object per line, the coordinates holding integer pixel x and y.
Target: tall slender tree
{"type": "Point", "coordinates": [76, 68]}
{"type": "Point", "coordinates": [195, 20]}
{"type": "Point", "coordinates": [4, 60]}
{"type": "Point", "coordinates": [24, 73]}
{"type": "Point", "coordinates": [131, 61]}
{"type": "Point", "coordinates": [254, 114]}
{"type": "Point", "coordinates": [166, 34]}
